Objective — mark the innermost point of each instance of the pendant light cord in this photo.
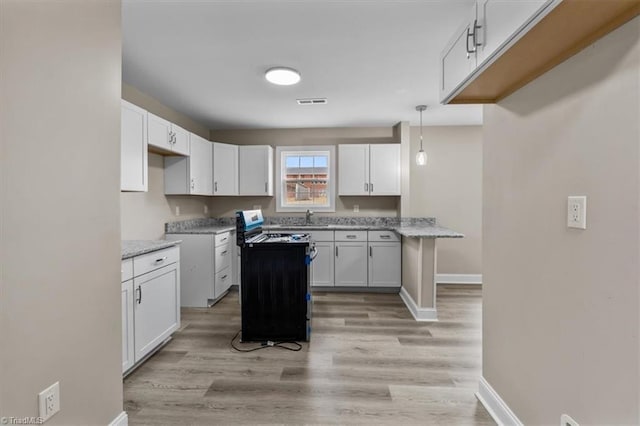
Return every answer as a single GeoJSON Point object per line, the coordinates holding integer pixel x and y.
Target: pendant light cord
{"type": "Point", "coordinates": [420, 130]}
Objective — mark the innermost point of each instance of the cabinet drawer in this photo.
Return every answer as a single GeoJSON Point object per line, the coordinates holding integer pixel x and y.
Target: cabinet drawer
{"type": "Point", "coordinates": [223, 238]}
{"type": "Point", "coordinates": [382, 236]}
{"type": "Point", "coordinates": [351, 235]}
{"type": "Point", "coordinates": [154, 260]}
{"type": "Point", "coordinates": [126, 270]}
{"type": "Point", "coordinates": [222, 282]}
{"type": "Point", "coordinates": [223, 257]}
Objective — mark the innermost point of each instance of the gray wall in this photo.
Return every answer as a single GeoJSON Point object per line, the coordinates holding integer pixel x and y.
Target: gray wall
{"type": "Point", "coordinates": [561, 306]}
{"type": "Point", "coordinates": [60, 316]}
{"type": "Point", "coordinates": [449, 188]}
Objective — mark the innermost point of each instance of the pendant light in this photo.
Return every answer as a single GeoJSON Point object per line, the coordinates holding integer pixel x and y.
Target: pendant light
{"type": "Point", "coordinates": [421, 156]}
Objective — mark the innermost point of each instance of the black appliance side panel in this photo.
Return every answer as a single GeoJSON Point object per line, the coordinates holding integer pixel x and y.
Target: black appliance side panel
{"type": "Point", "coordinates": [274, 292]}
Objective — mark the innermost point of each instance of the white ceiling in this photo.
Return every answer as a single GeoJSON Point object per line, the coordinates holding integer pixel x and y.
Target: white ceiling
{"type": "Point", "coordinates": [373, 60]}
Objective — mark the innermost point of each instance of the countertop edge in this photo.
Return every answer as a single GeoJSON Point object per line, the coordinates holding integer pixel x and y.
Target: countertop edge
{"type": "Point", "coordinates": [150, 248]}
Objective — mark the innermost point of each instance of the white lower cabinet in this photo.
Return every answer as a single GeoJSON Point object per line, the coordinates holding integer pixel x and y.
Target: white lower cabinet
{"type": "Point", "coordinates": [351, 259]}
{"type": "Point", "coordinates": [385, 259]}
{"type": "Point", "coordinates": [150, 303]}
{"type": "Point", "coordinates": [322, 272]}
{"type": "Point", "coordinates": [207, 272]}
{"type": "Point", "coordinates": [127, 326]}
{"type": "Point", "coordinates": [156, 311]}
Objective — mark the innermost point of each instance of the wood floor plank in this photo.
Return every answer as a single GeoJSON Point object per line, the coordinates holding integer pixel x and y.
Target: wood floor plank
{"type": "Point", "coordinates": [368, 362]}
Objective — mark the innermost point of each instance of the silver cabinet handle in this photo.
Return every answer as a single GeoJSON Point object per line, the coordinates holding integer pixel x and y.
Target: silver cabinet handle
{"type": "Point", "coordinates": [351, 237]}
{"type": "Point", "coordinates": [162, 259]}
{"type": "Point", "coordinates": [224, 252]}
{"type": "Point", "coordinates": [139, 290]}
{"type": "Point", "coordinates": [193, 185]}
{"type": "Point", "coordinates": [370, 187]}
{"type": "Point", "coordinates": [370, 251]}
{"type": "Point", "coordinates": [474, 38]}
{"type": "Point", "coordinates": [224, 277]}
{"type": "Point", "coordinates": [385, 237]}
{"type": "Point", "coordinates": [266, 187]}
{"type": "Point", "coordinates": [366, 187]}
{"type": "Point", "coordinates": [336, 251]}
{"type": "Point", "coordinates": [215, 186]}
{"type": "Point", "coordinates": [224, 239]}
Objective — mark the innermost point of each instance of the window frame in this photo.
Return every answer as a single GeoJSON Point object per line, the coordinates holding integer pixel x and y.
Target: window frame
{"type": "Point", "coordinates": [280, 182]}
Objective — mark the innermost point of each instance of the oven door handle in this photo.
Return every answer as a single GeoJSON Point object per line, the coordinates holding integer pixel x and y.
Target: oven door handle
{"type": "Point", "coordinates": [314, 253]}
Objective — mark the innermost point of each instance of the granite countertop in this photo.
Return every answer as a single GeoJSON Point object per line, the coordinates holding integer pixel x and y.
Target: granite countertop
{"type": "Point", "coordinates": [417, 230]}
{"type": "Point", "coordinates": [427, 231]}
{"type": "Point", "coordinates": [214, 229]}
{"type": "Point", "coordinates": [413, 227]}
{"type": "Point", "coordinates": [131, 248]}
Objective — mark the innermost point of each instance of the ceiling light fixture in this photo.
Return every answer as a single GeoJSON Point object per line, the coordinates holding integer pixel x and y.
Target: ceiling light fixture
{"type": "Point", "coordinates": [421, 156]}
{"type": "Point", "coordinates": [282, 76]}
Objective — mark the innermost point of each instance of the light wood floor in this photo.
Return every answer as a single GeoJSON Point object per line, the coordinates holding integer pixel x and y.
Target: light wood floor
{"type": "Point", "coordinates": [368, 362]}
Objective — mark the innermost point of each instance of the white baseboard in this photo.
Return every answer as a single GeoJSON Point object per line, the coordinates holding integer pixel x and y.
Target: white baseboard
{"type": "Point", "coordinates": [420, 314]}
{"type": "Point", "coordinates": [496, 407]}
{"type": "Point", "coordinates": [459, 278]}
{"type": "Point", "coordinates": [121, 420]}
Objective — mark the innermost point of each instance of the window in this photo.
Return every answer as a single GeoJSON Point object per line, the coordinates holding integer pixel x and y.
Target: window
{"type": "Point", "coordinates": [305, 176]}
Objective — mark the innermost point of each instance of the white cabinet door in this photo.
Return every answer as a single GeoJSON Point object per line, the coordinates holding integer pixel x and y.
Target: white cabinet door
{"type": "Point", "coordinates": [225, 169]}
{"type": "Point", "coordinates": [322, 274]}
{"type": "Point", "coordinates": [458, 59]}
{"type": "Point", "coordinates": [190, 175]}
{"type": "Point", "coordinates": [353, 169]}
{"type": "Point", "coordinates": [256, 170]}
{"type": "Point", "coordinates": [156, 308]}
{"type": "Point", "coordinates": [384, 169]}
{"type": "Point", "coordinates": [133, 148]}
{"type": "Point", "coordinates": [128, 351]}
{"type": "Point", "coordinates": [385, 267]}
{"type": "Point", "coordinates": [158, 132]}
{"type": "Point", "coordinates": [351, 264]}
{"type": "Point", "coordinates": [180, 143]}
{"type": "Point", "coordinates": [502, 20]}
{"type": "Point", "coordinates": [200, 166]}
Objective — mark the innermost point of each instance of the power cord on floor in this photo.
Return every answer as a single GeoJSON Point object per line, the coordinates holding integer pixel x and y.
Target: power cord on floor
{"type": "Point", "coordinates": [267, 344]}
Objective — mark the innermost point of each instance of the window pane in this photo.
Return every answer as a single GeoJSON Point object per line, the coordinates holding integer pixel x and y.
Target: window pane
{"type": "Point", "coordinates": [321, 161]}
{"type": "Point", "coordinates": [305, 181]}
{"type": "Point", "coordinates": [292, 161]}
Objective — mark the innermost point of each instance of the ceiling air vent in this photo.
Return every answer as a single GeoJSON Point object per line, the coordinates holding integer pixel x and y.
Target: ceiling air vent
{"type": "Point", "coordinates": [312, 101]}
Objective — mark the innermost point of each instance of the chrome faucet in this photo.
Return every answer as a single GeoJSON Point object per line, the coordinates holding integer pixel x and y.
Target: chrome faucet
{"type": "Point", "coordinates": [308, 217]}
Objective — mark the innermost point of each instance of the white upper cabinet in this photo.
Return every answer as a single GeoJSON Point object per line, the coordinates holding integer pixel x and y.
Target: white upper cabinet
{"type": "Point", "coordinates": [458, 58]}
{"type": "Point", "coordinates": [190, 175]}
{"type": "Point", "coordinates": [225, 169]}
{"type": "Point", "coordinates": [384, 169]}
{"type": "Point", "coordinates": [133, 148]}
{"type": "Point", "coordinates": [353, 169]}
{"type": "Point", "coordinates": [256, 170]}
{"type": "Point", "coordinates": [486, 32]}
{"type": "Point", "coordinates": [369, 169]}
{"type": "Point", "coordinates": [167, 136]}
{"type": "Point", "coordinates": [500, 20]}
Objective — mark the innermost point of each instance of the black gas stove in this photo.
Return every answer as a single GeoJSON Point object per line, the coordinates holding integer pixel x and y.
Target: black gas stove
{"type": "Point", "coordinates": [275, 281]}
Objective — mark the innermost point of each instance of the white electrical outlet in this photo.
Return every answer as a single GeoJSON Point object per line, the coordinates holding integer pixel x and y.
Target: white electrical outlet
{"type": "Point", "coordinates": [49, 401]}
{"type": "Point", "coordinates": [566, 420]}
{"type": "Point", "coordinates": [177, 210]}
{"type": "Point", "coordinates": [356, 208]}
{"type": "Point", "coordinates": [577, 212]}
